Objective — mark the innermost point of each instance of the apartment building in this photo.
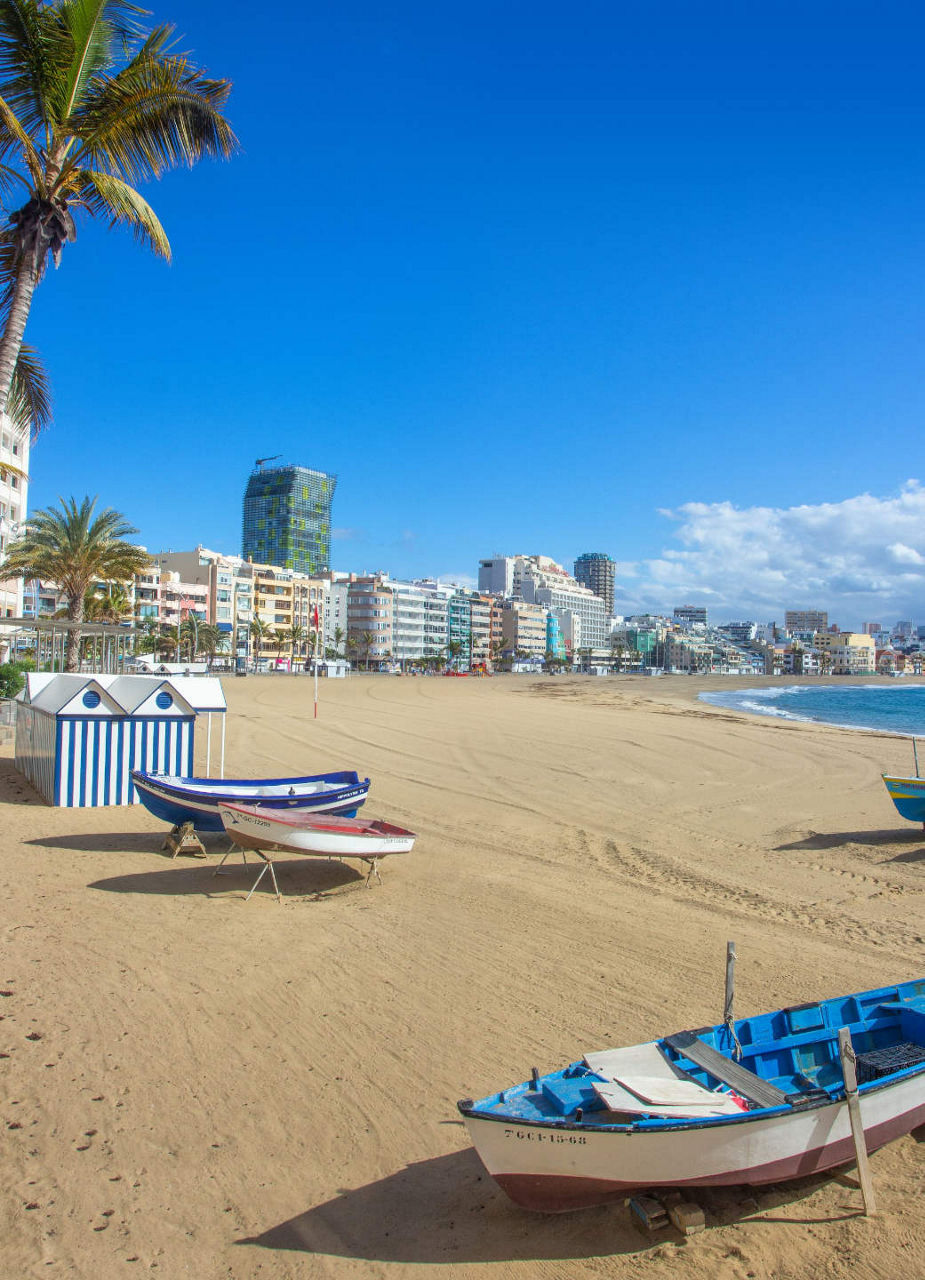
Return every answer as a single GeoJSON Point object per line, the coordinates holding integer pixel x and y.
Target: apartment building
{"type": "Point", "coordinates": [180, 600]}
{"type": "Point", "coordinates": [851, 653]}
{"type": "Point", "coordinates": [687, 655]}
{"type": "Point", "coordinates": [689, 615]}
{"type": "Point", "coordinates": [459, 630]}
{"type": "Point", "coordinates": [369, 620]}
{"type": "Point", "coordinates": [409, 611]}
{"type": "Point", "coordinates": [523, 629]}
{"type": "Point", "coordinates": [482, 610]}
{"type": "Point", "coordinates": [14, 492]}
{"type": "Point", "coordinates": [596, 571]}
{"type": "Point", "coordinates": [806, 620]}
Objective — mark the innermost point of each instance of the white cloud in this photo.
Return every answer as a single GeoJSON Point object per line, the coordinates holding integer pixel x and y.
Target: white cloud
{"type": "Point", "coordinates": [862, 559]}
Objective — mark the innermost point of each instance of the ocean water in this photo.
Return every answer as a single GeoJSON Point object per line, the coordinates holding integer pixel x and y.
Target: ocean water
{"type": "Point", "coordinates": [896, 708]}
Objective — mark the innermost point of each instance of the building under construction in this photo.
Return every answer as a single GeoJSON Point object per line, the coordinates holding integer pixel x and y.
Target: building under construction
{"type": "Point", "coordinates": [287, 518]}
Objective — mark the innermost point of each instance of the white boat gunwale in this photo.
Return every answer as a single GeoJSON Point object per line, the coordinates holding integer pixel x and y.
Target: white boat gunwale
{"type": "Point", "coordinates": [659, 1124]}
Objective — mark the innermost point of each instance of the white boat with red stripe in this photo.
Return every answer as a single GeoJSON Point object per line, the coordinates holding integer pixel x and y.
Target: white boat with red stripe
{"type": "Point", "coordinates": [259, 827]}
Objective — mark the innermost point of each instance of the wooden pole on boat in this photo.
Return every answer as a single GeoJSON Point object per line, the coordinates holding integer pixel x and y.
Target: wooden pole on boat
{"type": "Point", "coordinates": [730, 982]}
{"type": "Point", "coordinates": [846, 1052]}
{"type": "Point", "coordinates": [915, 756]}
{"type": "Point", "coordinates": [728, 1007]}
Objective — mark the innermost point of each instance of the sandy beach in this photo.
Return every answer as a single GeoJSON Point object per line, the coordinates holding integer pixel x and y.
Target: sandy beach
{"type": "Point", "coordinates": [197, 1086]}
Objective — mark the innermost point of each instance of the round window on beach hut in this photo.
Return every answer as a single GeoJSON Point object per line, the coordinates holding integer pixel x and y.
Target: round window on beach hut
{"type": "Point", "coordinates": [91, 699]}
{"type": "Point", "coordinates": [164, 700]}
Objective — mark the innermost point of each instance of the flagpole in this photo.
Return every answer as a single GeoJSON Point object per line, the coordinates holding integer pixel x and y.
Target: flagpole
{"type": "Point", "coordinates": [317, 631]}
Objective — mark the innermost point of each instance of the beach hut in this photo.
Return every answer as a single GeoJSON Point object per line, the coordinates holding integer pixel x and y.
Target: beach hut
{"type": "Point", "coordinates": [79, 737]}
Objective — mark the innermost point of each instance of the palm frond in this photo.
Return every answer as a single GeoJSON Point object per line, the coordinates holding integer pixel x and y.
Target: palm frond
{"type": "Point", "coordinates": [106, 196]}
{"type": "Point", "coordinates": [14, 138]}
{"type": "Point", "coordinates": [159, 112]}
{"type": "Point", "coordinates": [93, 27]}
{"type": "Point", "coordinates": [31, 60]}
{"type": "Point", "coordinates": [29, 405]}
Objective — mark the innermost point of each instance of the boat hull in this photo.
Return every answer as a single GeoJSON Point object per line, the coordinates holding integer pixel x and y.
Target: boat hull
{"type": "Point", "coordinates": [908, 795]}
{"type": "Point", "coordinates": [556, 1167]}
{"type": "Point", "coordinates": [325, 835]}
{"type": "Point", "coordinates": [341, 793]}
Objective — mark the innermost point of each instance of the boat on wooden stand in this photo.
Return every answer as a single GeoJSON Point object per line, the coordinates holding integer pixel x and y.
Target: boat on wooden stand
{"type": "Point", "coordinates": [178, 800]}
{"type": "Point", "coordinates": [264, 829]}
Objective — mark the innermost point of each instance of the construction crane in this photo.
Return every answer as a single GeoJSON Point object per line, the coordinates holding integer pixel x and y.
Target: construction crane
{"type": "Point", "coordinates": [261, 461]}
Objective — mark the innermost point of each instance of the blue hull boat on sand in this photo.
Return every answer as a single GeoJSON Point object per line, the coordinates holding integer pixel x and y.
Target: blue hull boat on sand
{"type": "Point", "coordinates": [196, 800]}
{"type": "Point", "coordinates": [908, 794]}
{"type": "Point", "coordinates": [703, 1109]}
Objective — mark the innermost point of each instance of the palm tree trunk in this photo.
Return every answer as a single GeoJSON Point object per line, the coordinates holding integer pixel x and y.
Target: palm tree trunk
{"type": "Point", "coordinates": [75, 613]}
{"type": "Point", "coordinates": [11, 339]}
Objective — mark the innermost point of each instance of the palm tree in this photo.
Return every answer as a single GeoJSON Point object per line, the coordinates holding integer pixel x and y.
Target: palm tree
{"type": "Point", "coordinates": [353, 645]}
{"type": "Point", "coordinates": [189, 632]}
{"type": "Point", "coordinates": [171, 638]}
{"type": "Point", "coordinates": [368, 639]}
{"type": "Point", "coordinates": [261, 633]}
{"type": "Point", "coordinates": [212, 640]}
{"type": "Point", "coordinates": [91, 103]}
{"type": "Point", "coordinates": [73, 548]}
{"type": "Point", "coordinates": [149, 640]}
{"type": "Point", "coordinates": [110, 603]}
{"type": "Point", "coordinates": [297, 637]}
{"type": "Point", "coordinates": [338, 641]}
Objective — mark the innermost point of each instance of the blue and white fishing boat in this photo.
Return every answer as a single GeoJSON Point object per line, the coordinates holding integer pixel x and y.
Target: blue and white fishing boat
{"type": "Point", "coordinates": [686, 1111]}
{"type": "Point", "coordinates": [197, 800]}
{"type": "Point", "coordinates": [908, 794]}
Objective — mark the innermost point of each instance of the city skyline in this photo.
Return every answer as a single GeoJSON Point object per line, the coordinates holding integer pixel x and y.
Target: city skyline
{"type": "Point", "coordinates": [645, 282]}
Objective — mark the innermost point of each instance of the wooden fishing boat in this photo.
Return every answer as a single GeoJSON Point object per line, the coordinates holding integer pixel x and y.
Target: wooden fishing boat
{"type": "Point", "coordinates": [178, 800]}
{"type": "Point", "coordinates": [908, 794]}
{"type": "Point", "coordinates": [259, 827]}
{"type": "Point", "coordinates": [684, 1112]}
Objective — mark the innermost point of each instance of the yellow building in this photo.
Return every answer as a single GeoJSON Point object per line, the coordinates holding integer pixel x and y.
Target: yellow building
{"type": "Point", "coordinates": [850, 653]}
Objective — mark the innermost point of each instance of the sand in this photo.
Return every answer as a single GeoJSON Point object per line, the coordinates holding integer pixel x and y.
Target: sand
{"type": "Point", "coordinates": [197, 1086]}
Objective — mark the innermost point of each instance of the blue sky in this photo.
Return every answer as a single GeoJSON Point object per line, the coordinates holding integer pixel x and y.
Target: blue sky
{"type": "Point", "coordinates": [643, 278]}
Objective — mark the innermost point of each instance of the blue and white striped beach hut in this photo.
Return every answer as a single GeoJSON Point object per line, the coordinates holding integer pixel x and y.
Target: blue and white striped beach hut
{"type": "Point", "coordinates": [79, 737]}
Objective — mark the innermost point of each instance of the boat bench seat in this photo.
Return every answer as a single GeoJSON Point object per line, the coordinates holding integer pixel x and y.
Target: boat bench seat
{"type": "Point", "coordinates": [746, 1084]}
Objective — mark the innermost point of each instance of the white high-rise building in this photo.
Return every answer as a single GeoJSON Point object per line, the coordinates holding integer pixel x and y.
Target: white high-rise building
{"type": "Point", "coordinates": [14, 490]}
{"type": "Point", "coordinates": [544, 582]}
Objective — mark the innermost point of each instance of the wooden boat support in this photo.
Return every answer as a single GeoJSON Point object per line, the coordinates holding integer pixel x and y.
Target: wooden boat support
{"type": "Point", "coordinates": [183, 839]}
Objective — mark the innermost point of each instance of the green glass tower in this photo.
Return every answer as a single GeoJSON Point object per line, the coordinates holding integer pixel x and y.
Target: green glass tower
{"type": "Point", "coordinates": [287, 518]}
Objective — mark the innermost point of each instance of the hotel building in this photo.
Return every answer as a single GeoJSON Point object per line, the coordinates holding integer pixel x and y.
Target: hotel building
{"type": "Point", "coordinates": [287, 518]}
